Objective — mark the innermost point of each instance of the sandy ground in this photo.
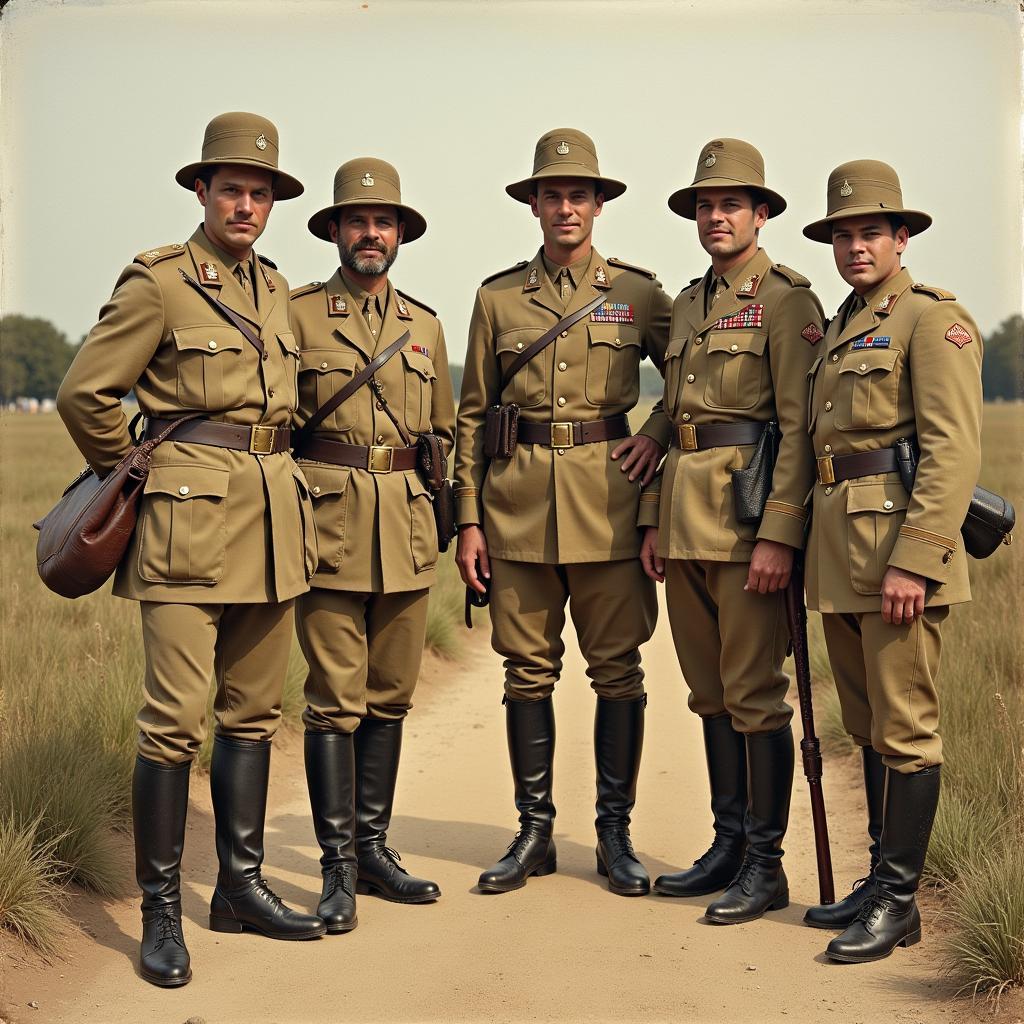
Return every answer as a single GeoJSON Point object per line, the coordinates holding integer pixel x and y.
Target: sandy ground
{"type": "Point", "coordinates": [562, 949]}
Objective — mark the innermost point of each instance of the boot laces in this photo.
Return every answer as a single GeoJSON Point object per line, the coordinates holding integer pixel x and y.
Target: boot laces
{"type": "Point", "coordinates": [341, 876]}
{"type": "Point", "coordinates": [525, 835]}
{"type": "Point", "coordinates": [394, 857]}
{"type": "Point", "coordinates": [618, 844]}
{"type": "Point", "coordinates": [168, 929]}
{"type": "Point", "coordinates": [266, 893]}
{"type": "Point", "coordinates": [717, 844]}
{"type": "Point", "coordinates": [872, 908]}
{"type": "Point", "coordinates": [745, 876]}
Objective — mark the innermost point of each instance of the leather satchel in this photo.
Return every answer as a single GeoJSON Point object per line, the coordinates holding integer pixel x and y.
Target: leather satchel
{"type": "Point", "coordinates": [752, 485]}
{"type": "Point", "coordinates": [85, 535]}
{"type": "Point", "coordinates": [990, 517]}
{"type": "Point", "coordinates": [433, 467]}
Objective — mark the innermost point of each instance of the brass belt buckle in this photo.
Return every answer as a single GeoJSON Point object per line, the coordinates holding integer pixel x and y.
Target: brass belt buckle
{"type": "Point", "coordinates": [380, 458]}
{"type": "Point", "coordinates": [561, 435]}
{"type": "Point", "coordinates": [687, 436]}
{"type": "Point", "coordinates": [826, 471]}
{"type": "Point", "coordinates": [261, 440]}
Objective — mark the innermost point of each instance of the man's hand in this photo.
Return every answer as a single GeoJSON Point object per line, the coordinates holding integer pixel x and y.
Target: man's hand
{"type": "Point", "coordinates": [653, 565]}
{"type": "Point", "coordinates": [472, 558]}
{"type": "Point", "coordinates": [644, 454]}
{"type": "Point", "coordinates": [902, 596]}
{"type": "Point", "coordinates": [770, 566]}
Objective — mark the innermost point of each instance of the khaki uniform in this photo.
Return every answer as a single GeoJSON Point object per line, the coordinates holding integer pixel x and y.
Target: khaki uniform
{"type": "Point", "coordinates": [908, 364]}
{"type": "Point", "coordinates": [561, 507]}
{"type": "Point", "coordinates": [217, 527]}
{"type": "Point", "coordinates": [744, 359]}
{"type": "Point", "coordinates": [362, 627]}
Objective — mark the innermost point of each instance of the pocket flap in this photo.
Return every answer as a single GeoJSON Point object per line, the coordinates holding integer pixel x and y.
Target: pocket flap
{"type": "Point", "coordinates": [288, 343]}
{"type": "Point", "coordinates": [419, 363]}
{"type": "Point", "coordinates": [617, 335]}
{"type": "Point", "coordinates": [210, 340]}
{"type": "Point", "coordinates": [735, 342]}
{"type": "Point", "coordinates": [323, 481]}
{"type": "Point", "coordinates": [865, 360]}
{"type": "Point", "coordinates": [888, 496]}
{"type": "Point", "coordinates": [185, 482]}
{"type": "Point", "coordinates": [417, 487]}
{"type": "Point", "coordinates": [518, 340]}
{"type": "Point", "coordinates": [327, 360]}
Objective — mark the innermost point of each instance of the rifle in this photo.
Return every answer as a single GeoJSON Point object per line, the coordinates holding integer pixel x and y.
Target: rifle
{"type": "Point", "coordinates": [810, 748]}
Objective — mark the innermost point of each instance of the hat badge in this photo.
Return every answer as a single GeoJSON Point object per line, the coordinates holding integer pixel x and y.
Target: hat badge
{"type": "Point", "coordinates": [367, 180]}
{"type": "Point", "coordinates": [711, 160]}
{"type": "Point", "coordinates": [846, 190]}
{"type": "Point", "coordinates": [562, 149]}
{"type": "Point", "coordinates": [261, 141]}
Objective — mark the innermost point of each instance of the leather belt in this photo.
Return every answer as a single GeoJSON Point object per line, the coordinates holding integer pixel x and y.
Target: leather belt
{"type": "Point", "coordinates": [570, 433]}
{"type": "Point", "coordinates": [694, 437]}
{"type": "Point", "coordinates": [833, 468]}
{"type": "Point", "coordinates": [376, 458]}
{"type": "Point", "coordinates": [258, 440]}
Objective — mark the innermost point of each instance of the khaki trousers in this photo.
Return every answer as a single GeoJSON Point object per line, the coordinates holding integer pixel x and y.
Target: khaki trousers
{"type": "Point", "coordinates": [364, 653]}
{"type": "Point", "coordinates": [886, 676]}
{"type": "Point", "coordinates": [244, 647]}
{"type": "Point", "coordinates": [613, 606]}
{"type": "Point", "coordinates": [730, 642]}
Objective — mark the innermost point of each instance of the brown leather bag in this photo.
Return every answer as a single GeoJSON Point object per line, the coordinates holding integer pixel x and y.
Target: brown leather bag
{"type": "Point", "coordinates": [433, 467]}
{"type": "Point", "coordinates": [85, 535]}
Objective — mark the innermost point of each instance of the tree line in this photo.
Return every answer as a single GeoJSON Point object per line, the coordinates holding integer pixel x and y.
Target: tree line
{"type": "Point", "coordinates": [34, 356]}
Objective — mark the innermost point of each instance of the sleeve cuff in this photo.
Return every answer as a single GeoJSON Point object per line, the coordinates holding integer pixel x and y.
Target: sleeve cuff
{"type": "Point", "coordinates": [469, 509]}
{"type": "Point", "coordinates": [923, 552]}
{"type": "Point", "coordinates": [658, 427]}
{"type": "Point", "coordinates": [649, 510]}
{"type": "Point", "coordinates": [783, 523]}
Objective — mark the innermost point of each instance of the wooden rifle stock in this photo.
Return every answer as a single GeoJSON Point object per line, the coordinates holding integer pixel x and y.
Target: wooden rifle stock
{"type": "Point", "coordinates": [810, 748]}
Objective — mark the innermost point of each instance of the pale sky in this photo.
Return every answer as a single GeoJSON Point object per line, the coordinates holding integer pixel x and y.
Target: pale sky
{"type": "Point", "coordinates": [102, 101]}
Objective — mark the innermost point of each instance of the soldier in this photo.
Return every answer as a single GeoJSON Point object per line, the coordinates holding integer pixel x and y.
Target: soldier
{"type": "Point", "coordinates": [900, 360]}
{"type": "Point", "coordinates": [224, 541]}
{"type": "Point", "coordinates": [743, 336]}
{"type": "Point", "coordinates": [556, 520]}
{"type": "Point", "coordinates": [362, 626]}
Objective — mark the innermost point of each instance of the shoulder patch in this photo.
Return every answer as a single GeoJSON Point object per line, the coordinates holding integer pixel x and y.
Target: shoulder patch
{"type": "Point", "coordinates": [306, 289]}
{"type": "Point", "coordinates": [151, 256]}
{"type": "Point", "coordinates": [616, 262]}
{"type": "Point", "coordinates": [940, 294]}
{"type": "Point", "coordinates": [795, 279]}
{"type": "Point", "coordinates": [268, 262]}
{"type": "Point", "coordinates": [416, 302]}
{"type": "Point", "coordinates": [502, 273]}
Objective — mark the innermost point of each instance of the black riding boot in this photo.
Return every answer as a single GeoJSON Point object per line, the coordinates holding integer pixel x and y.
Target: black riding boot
{"type": "Point", "coordinates": [330, 776]}
{"type": "Point", "coordinates": [844, 912]}
{"type": "Point", "coordinates": [618, 742]}
{"type": "Point", "coordinates": [530, 726]}
{"type": "Point", "coordinates": [726, 752]}
{"type": "Point", "coordinates": [239, 775]}
{"type": "Point", "coordinates": [378, 748]}
{"type": "Point", "coordinates": [761, 883]}
{"type": "Point", "coordinates": [159, 808]}
{"type": "Point", "coordinates": [889, 916]}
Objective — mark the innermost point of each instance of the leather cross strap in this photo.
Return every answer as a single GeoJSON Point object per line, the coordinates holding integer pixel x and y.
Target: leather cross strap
{"type": "Point", "coordinates": [570, 434]}
{"type": "Point", "coordinates": [258, 440]}
{"type": "Point", "coordinates": [833, 468]}
{"type": "Point", "coordinates": [375, 458]}
{"type": "Point", "coordinates": [549, 336]}
{"type": "Point", "coordinates": [332, 403]}
{"type": "Point", "coordinates": [693, 437]}
{"type": "Point", "coordinates": [230, 314]}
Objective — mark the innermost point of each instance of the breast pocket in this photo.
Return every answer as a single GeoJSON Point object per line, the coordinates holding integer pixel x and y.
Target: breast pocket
{"type": "Point", "coordinates": [183, 535]}
{"type": "Point", "coordinates": [867, 390]}
{"type": "Point", "coordinates": [737, 369]}
{"type": "Point", "coordinates": [328, 489]}
{"type": "Point", "coordinates": [812, 408]}
{"type": "Point", "coordinates": [673, 368]}
{"type": "Point", "coordinates": [212, 374]}
{"type": "Point", "coordinates": [613, 364]}
{"type": "Point", "coordinates": [874, 513]}
{"type": "Point", "coordinates": [323, 372]}
{"type": "Point", "coordinates": [419, 387]}
{"type": "Point", "coordinates": [529, 385]}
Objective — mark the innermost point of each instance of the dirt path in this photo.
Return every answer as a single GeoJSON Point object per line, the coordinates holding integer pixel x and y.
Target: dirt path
{"type": "Point", "coordinates": [562, 949]}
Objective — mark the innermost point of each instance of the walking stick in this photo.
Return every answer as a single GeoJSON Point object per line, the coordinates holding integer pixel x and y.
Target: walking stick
{"type": "Point", "coordinates": [810, 748]}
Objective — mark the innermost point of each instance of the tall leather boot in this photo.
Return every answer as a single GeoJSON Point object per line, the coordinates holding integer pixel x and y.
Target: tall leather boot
{"type": "Point", "coordinates": [889, 917]}
{"type": "Point", "coordinates": [242, 900]}
{"type": "Point", "coordinates": [378, 748]}
{"type": "Point", "coordinates": [330, 776]}
{"type": "Point", "coordinates": [530, 727]}
{"type": "Point", "coordinates": [844, 912]}
{"type": "Point", "coordinates": [761, 884]}
{"type": "Point", "coordinates": [618, 742]}
{"type": "Point", "coordinates": [726, 752]}
{"type": "Point", "coordinates": [159, 808]}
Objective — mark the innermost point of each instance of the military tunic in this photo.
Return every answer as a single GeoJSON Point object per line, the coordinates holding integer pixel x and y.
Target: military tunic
{"type": "Point", "coordinates": [362, 625]}
{"type": "Point", "coordinates": [907, 365]}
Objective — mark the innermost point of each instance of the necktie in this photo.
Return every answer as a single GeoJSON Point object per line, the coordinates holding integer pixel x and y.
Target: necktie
{"type": "Point", "coordinates": [855, 307]}
{"type": "Point", "coordinates": [718, 286]}
{"type": "Point", "coordinates": [566, 285]}
{"type": "Point", "coordinates": [242, 276]}
{"type": "Point", "coordinates": [369, 309]}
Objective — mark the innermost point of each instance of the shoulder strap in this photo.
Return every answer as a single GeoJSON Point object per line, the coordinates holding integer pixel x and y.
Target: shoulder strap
{"type": "Point", "coordinates": [347, 391]}
{"type": "Point", "coordinates": [545, 339]}
{"type": "Point", "coordinates": [231, 315]}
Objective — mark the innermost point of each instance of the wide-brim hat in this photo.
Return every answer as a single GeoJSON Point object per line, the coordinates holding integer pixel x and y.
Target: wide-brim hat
{"type": "Point", "coordinates": [726, 163]}
{"type": "Point", "coordinates": [565, 153]}
{"type": "Point", "coordinates": [367, 181]}
{"type": "Point", "coordinates": [246, 139]}
{"type": "Point", "coordinates": [863, 187]}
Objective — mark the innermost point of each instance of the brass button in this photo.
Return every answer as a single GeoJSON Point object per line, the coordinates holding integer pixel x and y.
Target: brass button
{"type": "Point", "coordinates": [835, 358]}
{"type": "Point", "coordinates": [266, 356]}
{"type": "Point", "coordinates": [177, 245]}
{"type": "Point", "coordinates": [563, 366]}
{"type": "Point", "coordinates": [323, 365]}
{"type": "Point", "coordinates": [699, 341]}
{"type": "Point", "coordinates": [380, 439]}
{"type": "Point", "coordinates": [380, 405]}
{"type": "Point", "coordinates": [828, 448]}
{"type": "Point", "coordinates": [183, 489]}
{"type": "Point", "coordinates": [565, 334]}
{"type": "Point", "coordinates": [212, 344]}
{"type": "Point", "coordinates": [828, 407]}
{"type": "Point", "coordinates": [686, 417]}
{"type": "Point", "coordinates": [887, 505]}
{"type": "Point", "coordinates": [690, 378]}
{"type": "Point", "coordinates": [561, 401]}
{"type": "Point", "coordinates": [519, 346]}
{"type": "Point", "coordinates": [828, 490]}
{"type": "Point", "coordinates": [734, 348]}
{"type": "Point", "coordinates": [618, 341]}
{"type": "Point", "coordinates": [316, 490]}
{"type": "Point", "coordinates": [561, 451]}
{"type": "Point", "coordinates": [862, 367]}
